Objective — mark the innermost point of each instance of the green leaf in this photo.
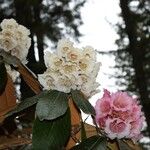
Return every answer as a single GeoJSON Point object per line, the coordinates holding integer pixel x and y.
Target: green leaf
{"type": "Point", "coordinates": [52, 105]}
{"type": "Point", "coordinates": [26, 103]}
{"type": "Point", "coordinates": [82, 103]}
{"type": "Point", "coordinates": [51, 134]}
{"type": "Point", "coordinates": [92, 143]}
{"type": "Point", "coordinates": [123, 145]}
{"type": "Point", "coordinates": [3, 76]}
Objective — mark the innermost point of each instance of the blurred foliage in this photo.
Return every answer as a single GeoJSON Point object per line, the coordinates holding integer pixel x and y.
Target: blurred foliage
{"type": "Point", "coordinates": [139, 21]}
{"type": "Point", "coordinates": [133, 54]}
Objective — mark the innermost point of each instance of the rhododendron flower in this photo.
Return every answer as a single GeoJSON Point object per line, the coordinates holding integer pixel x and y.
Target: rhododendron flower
{"type": "Point", "coordinates": [119, 115]}
{"type": "Point", "coordinates": [116, 128]}
{"type": "Point", "coordinates": [14, 38]}
{"type": "Point", "coordinates": [89, 53]}
{"type": "Point", "coordinates": [9, 24]}
{"type": "Point", "coordinates": [70, 68]}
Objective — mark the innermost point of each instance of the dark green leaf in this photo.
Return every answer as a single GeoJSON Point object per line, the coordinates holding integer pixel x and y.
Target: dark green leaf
{"type": "Point", "coordinates": [123, 145]}
{"type": "Point", "coordinates": [26, 103]}
{"type": "Point", "coordinates": [92, 143]}
{"type": "Point", "coordinates": [51, 134]}
{"type": "Point", "coordinates": [52, 105]}
{"type": "Point", "coordinates": [83, 132]}
{"type": "Point", "coordinates": [82, 103]}
{"type": "Point", "coordinates": [3, 75]}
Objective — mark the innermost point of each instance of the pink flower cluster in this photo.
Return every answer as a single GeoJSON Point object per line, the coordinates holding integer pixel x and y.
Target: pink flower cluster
{"type": "Point", "coordinates": [119, 115]}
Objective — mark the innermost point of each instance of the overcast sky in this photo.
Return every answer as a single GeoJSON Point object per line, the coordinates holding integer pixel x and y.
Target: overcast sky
{"type": "Point", "coordinates": [98, 32]}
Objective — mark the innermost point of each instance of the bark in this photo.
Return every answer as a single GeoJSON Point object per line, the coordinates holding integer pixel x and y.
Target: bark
{"type": "Point", "coordinates": [39, 33]}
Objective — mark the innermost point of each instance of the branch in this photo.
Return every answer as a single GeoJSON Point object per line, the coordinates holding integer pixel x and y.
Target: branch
{"type": "Point", "coordinates": [111, 51]}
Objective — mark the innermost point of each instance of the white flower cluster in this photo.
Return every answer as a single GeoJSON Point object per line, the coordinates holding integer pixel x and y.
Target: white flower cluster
{"type": "Point", "coordinates": [14, 38]}
{"type": "Point", "coordinates": [71, 68]}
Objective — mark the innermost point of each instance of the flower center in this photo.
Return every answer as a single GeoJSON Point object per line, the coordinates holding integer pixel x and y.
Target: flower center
{"type": "Point", "coordinates": [117, 127]}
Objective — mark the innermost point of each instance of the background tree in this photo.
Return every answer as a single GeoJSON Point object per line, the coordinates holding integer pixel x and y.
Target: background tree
{"type": "Point", "coordinates": [133, 55]}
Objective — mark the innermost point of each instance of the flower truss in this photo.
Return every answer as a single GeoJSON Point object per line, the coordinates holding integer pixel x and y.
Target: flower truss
{"type": "Point", "coordinates": [119, 115]}
{"type": "Point", "coordinates": [71, 68]}
{"type": "Point", "coordinates": [14, 38]}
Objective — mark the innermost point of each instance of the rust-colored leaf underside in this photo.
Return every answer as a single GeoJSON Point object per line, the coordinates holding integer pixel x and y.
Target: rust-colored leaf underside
{"type": "Point", "coordinates": [7, 98]}
{"type": "Point", "coordinates": [29, 78]}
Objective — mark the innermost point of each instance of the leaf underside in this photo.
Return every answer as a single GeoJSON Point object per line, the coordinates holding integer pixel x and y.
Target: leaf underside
{"type": "Point", "coordinates": [7, 99]}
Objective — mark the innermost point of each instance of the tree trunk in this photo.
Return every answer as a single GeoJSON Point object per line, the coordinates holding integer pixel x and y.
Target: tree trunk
{"type": "Point", "coordinates": [40, 35]}
{"type": "Point", "coordinates": [23, 7]}
{"type": "Point", "coordinates": [138, 55]}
